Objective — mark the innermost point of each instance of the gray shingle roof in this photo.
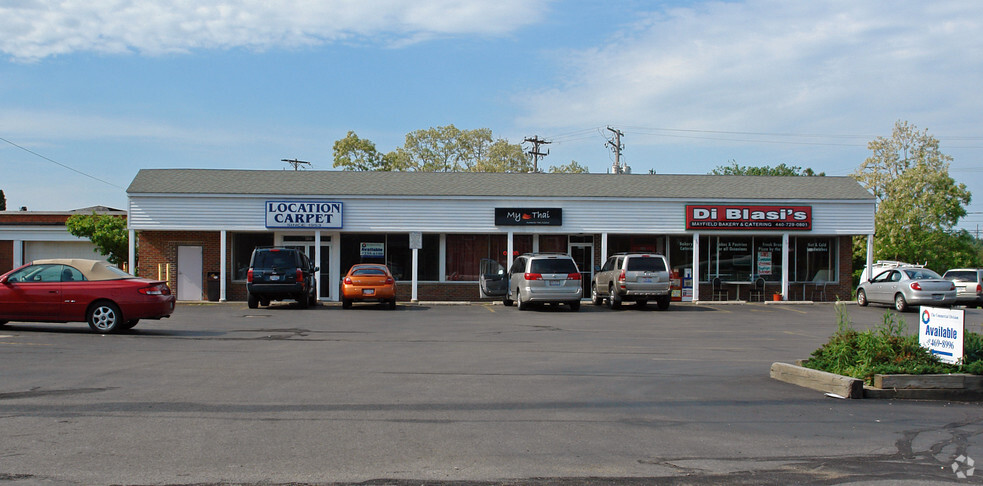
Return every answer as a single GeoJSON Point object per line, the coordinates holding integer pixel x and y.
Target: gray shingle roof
{"type": "Point", "coordinates": [343, 183]}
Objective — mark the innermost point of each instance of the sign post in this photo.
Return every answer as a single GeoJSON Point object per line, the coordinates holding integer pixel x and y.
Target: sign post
{"type": "Point", "coordinates": [941, 332]}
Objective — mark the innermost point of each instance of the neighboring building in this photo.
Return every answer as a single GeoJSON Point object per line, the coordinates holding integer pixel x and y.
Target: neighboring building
{"type": "Point", "coordinates": [792, 231]}
{"type": "Point", "coordinates": [26, 236]}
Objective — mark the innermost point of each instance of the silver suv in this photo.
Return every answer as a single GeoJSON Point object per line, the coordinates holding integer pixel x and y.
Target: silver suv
{"type": "Point", "coordinates": [534, 278]}
{"type": "Point", "coordinates": [969, 285]}
{"type": "Point", "coordinates": [638, 277]}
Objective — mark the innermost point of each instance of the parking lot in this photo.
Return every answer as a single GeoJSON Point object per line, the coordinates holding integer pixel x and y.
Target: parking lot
{"type": "Point", "coordinates": [455, 394]}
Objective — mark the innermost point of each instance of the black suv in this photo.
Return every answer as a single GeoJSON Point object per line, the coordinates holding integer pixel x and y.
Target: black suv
{"type": "Point", "coordinates": [279, 274]}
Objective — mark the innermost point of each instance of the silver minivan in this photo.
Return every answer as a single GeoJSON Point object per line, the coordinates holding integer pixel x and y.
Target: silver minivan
{"type": "Point", "coordinates": [533, 278]}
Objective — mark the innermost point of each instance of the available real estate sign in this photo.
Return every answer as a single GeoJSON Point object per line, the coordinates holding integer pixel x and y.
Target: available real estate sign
{"type": "Point", "coordinates": [941, 332]}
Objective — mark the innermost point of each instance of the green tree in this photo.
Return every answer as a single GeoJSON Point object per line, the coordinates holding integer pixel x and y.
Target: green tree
{"type": "Point", "coordinates": [918, 203]}
{"type": "Point", "coordinates": [779, 170]}
{"type": "Point", "coordinates": [107, 232]}
{"type": "Point", "coordinates": [572, 168]}
{"type": "Point", "coordinates": [3, 201]}
{"type": "Point", "coordinates": [354, 153]}
{"type": "Point", "coordinates": [436, 149]}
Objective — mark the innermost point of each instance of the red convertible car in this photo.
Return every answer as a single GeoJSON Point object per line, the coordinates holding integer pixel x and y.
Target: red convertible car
{"type": "Point", "coordinates": [77, 290]}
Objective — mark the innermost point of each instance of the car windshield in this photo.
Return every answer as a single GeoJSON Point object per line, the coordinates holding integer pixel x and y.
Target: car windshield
{"type": "Point", "coordinates": [646, 264]}
{"type": "Point", "coordinates": [271, 259]}
{"type": "Point", "coordinates": [921, 274]}
{"type": "Point", "coordinates": [550, 265]}
{"type": "Point", "coordinates": [968, 276]}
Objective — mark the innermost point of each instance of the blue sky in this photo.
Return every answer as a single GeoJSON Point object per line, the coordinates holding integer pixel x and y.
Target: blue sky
{"type": "Point", "coordinates": [109, 87]}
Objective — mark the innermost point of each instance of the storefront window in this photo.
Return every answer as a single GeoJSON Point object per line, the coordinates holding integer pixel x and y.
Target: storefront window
{"type": "Point", "coordinates": [768, 258]}
{"type": "Point", "coordinates": [680, 254]}
{"type": "Point", "coordinates": [242, 248]}
{"type": "Point", "coordinates": [635, 243]}
{"type": "Point", "coordinates": [729, 258]}
{"type": "Point", "coordinates": [394, 251]}
{"type": "Point", "coordinates": [465, 252]}
{"type": "Point", "coordinates": [814, 259]}
{"type": "Point", "coordinates": [553, 244]}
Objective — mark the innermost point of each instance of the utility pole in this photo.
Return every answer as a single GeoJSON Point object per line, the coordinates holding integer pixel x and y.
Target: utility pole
{"type": "Point", "coordinates": [617, 147]}
{"type": "Point", "coordinates": [294, 162]}
{"type": "Point", "coordinates": [536, 154]}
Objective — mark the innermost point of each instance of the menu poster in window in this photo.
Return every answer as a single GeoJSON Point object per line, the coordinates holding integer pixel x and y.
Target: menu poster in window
{"type": "Point", "coordinates": [739, 217]}
{"type": "Point", "coordinates": [764, 263]}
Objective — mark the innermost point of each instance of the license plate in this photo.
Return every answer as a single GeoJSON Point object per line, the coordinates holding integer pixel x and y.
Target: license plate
{"type": "Point", "coordinates": [645, 280]}
{"type": "Point", "coordinates": [936, 296]}
{"type": "Point", "coordinates": [274, 277]}
{"type": "Point", "coordinates": [368, 291]}
{"type": "Point", "coordinates": [554, 283]}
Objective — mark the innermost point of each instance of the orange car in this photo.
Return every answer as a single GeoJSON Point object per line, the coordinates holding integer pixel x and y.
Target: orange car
{"type": "Point", "coordinates": [368, 282]}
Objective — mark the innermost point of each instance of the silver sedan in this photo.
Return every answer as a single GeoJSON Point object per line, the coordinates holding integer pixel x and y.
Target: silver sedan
{"type": "Point", "coordinates": [904, 287]}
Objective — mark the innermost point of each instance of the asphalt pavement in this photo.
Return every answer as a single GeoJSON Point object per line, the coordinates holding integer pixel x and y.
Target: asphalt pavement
{"type": "Point", "coordinates": [468, 395]}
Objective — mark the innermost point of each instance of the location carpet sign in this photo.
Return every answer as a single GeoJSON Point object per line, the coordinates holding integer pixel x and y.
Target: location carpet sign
{"type": "Point", "coordinates": [941, 332]}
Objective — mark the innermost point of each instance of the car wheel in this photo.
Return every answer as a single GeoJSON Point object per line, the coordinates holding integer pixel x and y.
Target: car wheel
{"type": "Point", "coordinates": [105, 317]}
{"type": "Point", "coordinates": [575, 305]}
{"type": "Point", "coordinates": [595, 298]}
{"type": "Point", "coordinates": [252, 301]}
{"type": "Point", "coordinates": [3, 322]}
{"type": "Point", "coordinates": [507, 301]}
{"type": "Point", "coordinates": [392, 304]}
{"type": "Point", "coordinates": [346, 303]}
{"type": "Point", "coordinates": [302, 300]}
{"type": "Point", "coordinates": [312, 299]}
{"type": "Point", "coordinates": [862, 298]}
{"type": "Point", "coordinates": [664, 303]}
{"type": "Point", "coordinates": [520, 304]}
{"type": "Point", "coordinates": [614, 300]}
{"type": "Point", "coordinates": [900, 304]}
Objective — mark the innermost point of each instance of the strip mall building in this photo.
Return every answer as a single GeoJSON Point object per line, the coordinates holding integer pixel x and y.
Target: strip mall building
{"type": "Point", "coordinates": [435, 229]}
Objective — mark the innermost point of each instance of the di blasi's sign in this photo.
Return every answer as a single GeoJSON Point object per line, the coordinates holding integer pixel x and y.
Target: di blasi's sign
{"type": "Point", "coordinates": [744, 217]}
{"type": "Point", "coordinates": [303, 214]}
{"type": "Point", "coordinates": [528, 216]}
{"type": "Point", "coordinates": [941, 332]}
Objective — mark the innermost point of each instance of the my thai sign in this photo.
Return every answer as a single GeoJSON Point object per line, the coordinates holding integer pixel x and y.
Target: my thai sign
{"type": "Point", "coordinates": [303, 214]}
{"type": "Point", "coordinates": [528, 216]}
{"type": "Point", "coordinates": [743, 217]}
{"type": "Point", "coordinates": [941, 332]}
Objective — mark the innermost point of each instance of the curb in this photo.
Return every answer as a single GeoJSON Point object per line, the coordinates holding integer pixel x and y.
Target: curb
{"type": "Point", "coordinates": [955, 387]}
{"type": "Point", "coordinates": [823, 381]}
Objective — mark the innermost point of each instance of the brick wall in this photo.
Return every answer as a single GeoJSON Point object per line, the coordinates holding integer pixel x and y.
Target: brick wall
{"type": "Point", "coordinates": [159, 248]}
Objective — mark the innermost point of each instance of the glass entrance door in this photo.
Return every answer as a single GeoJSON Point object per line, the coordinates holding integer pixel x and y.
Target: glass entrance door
{"type": "Point", "coordinates": [583, 255]}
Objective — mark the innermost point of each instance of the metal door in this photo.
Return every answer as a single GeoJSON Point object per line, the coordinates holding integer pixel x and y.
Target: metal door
{"type": "Point", "coordinates": [492, 279]}
{"type": "Point", "coordinates": [189, 275]}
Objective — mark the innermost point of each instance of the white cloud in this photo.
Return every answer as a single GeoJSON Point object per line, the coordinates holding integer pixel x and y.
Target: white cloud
{"type": "Point", "coordinates": [36, 29]}
{"type": "Point", "coordinates": [773, 65]}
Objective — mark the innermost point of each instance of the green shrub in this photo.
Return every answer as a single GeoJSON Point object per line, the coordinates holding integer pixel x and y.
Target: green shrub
{"type": "Point", "coordinates": [887, 349]}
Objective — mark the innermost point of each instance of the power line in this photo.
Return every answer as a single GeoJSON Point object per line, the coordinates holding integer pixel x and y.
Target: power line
{"type": "Point", "coordinates": [536, 154]}
{"type": "Point", "coordinates": [61, 164]}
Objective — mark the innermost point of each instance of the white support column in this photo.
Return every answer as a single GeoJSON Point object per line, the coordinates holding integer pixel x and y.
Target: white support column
{"type": "Point", "coordinates": [317, 263]}
{"type": "Point", "coordinates": [785, 254]}
{"type": "Point", "coordinates": [416, 269]}
{"type": "Point", "coordinates": [510, 250]}
{"type": "Point", "coordinates": [870, 255]}
{"type": "Point", "coordinates": [442, 256]}
{"type": "Point", "coordinates": [131, 245]}
{"type": "Point", "coordinates": [535, 243]}
{"type": "Point", "coordinates": [222, 270]}
{"type": "Point", "coordinates": [696, 267]}
{"type": "Point", "coordinates": [19, 252]}
{"type": "Point", "coordinates": [604, 248]}
{"type": "Point", "coordinates": [334, 274]}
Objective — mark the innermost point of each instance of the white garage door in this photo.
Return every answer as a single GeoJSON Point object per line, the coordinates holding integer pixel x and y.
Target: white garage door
{"type": "Point", "coordinates": [37, 250]}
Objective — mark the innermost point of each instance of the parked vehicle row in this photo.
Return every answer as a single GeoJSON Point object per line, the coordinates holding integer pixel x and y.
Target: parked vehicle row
{"type": "Point", "coordinates": [904, 285]}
